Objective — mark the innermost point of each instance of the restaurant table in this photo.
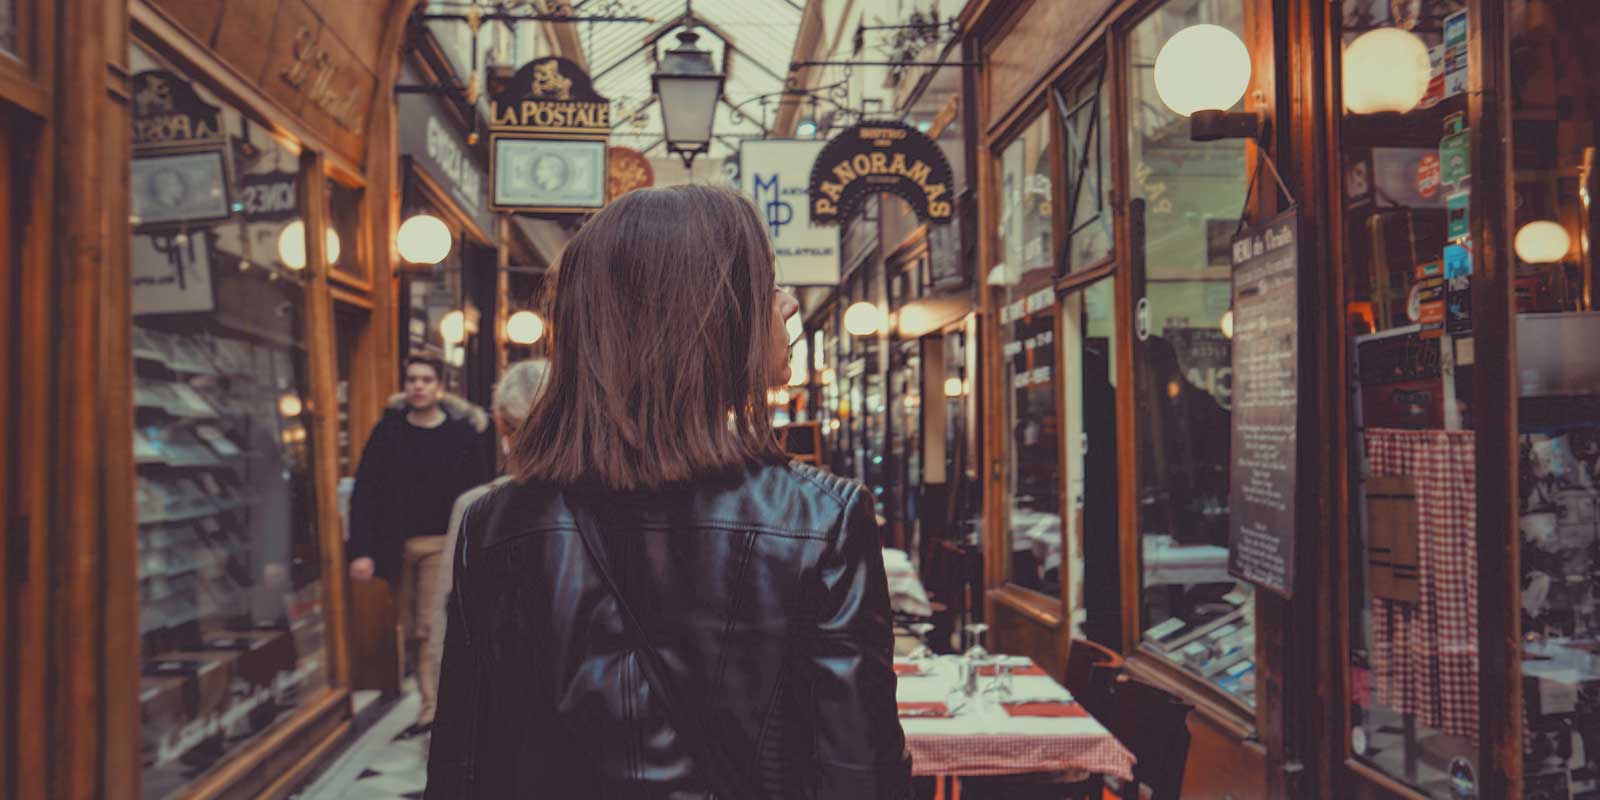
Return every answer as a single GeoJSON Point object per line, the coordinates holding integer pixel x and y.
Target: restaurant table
{"type": "Point", "coordinates": [982, 737]}
{"type": "Point", "coordinates": [906, 592]}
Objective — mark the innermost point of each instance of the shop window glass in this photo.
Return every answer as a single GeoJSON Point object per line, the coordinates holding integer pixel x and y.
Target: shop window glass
{"type": "Point", "coordinates": [1187, 198]}
{"type": "Point", "coordinates": [344, 212]}
{"type": "Point", "coordinates": [230, 584]}
{"type": "Point", "coordinates": [1025, 296]}
{"type": "Point", "coordinates": [964, 503]}
{"type": "Point", "coordinates": [1086, 153]}
{"type": "Point", "coordinates": [1555, 105]}
{"type": "Point", "coordinates": [1089, 433]}
{"type": "Point", "coordinates": [8, 26]}
{"type": "Point", "coordinates": [1412, 546]}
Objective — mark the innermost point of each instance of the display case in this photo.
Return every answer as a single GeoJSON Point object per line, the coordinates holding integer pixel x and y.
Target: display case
{"type": "Point", "coordinates": [231, 615]}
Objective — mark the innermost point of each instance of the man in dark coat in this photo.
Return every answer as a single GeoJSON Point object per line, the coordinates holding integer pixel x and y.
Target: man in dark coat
{"type": "Point", "coordinates": [423, 453]}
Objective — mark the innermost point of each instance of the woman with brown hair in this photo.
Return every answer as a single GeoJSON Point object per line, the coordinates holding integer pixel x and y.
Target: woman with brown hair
{"type": "Point", "coordinates": [661, 605]}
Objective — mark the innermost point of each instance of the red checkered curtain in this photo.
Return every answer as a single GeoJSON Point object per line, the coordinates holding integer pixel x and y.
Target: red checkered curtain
{"type": "Point", "coordinates": [1425, 655]}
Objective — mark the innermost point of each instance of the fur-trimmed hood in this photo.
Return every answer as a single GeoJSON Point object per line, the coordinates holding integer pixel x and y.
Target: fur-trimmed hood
{"type": "Point", "coordinates": [455, 407]}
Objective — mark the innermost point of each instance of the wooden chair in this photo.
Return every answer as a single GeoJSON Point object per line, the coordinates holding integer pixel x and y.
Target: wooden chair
{"type": "Point", "coordinates": [1154, 726]}
{"type": "Point", "coordinates": [1091, 675]}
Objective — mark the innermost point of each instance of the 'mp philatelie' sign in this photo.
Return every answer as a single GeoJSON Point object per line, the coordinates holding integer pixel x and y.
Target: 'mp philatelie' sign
{"type": "Point", "coordinates": [875, 157]}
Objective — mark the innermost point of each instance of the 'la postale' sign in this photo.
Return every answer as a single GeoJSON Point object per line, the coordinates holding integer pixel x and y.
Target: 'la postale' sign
{"type": "Point", "coordinates": [549, 95]}
{"type": "Point", "coordinates": [168, 113]}
{"type": "Point", "coordinates": [876, 157]}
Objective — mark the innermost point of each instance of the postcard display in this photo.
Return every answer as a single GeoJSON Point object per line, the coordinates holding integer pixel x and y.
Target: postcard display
{"type": "Point", "coordinates": [231, 624]}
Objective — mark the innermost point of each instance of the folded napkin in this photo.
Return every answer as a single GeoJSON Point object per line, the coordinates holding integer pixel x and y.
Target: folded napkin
{"type": "Point", "coordinates": [1018, 669]}
{"type": "Point", "coordinates": [908, 668]}
{"type": "Point", "coordinates": [1042, 710]}
{"type": "Point", "coordinates": [924, 710]}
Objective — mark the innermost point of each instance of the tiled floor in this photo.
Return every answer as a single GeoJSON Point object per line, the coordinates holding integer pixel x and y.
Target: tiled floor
{"type": "Point", "coordinates": [378, 765]}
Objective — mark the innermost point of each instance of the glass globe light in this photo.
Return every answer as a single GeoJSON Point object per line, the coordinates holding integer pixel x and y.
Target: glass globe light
{"type": "Point", "coordinates": [524, 327]}
{"type": "Point", "coordinates": [453, 327]}
{"type": "Point", "coordinates": [863, 319]}
{"type": "Point", "coordinates": [1386, 69]}
{"type": "Point", "coordinates": [423, 239]}
{"type": "Point", "coordinates": [1202, 68]}
{"type": "Point", "coordinates": [292, 245]}
{"type": "Point", "coordinates": [1542, 242]}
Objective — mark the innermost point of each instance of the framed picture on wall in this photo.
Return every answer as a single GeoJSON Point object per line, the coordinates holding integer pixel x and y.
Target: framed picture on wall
{"type": "Point", "coordinates": [549, 174]}
{"type": "Point", "coordinates": [180, 188]}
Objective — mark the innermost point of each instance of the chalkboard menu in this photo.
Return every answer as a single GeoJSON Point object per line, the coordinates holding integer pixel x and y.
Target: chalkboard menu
{"type": "Point", "coordinates": [1265, 374]}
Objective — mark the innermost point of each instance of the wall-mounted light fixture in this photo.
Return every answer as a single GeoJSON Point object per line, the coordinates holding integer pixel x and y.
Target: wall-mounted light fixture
{"type": "Point", "coordinates": [423, 239]}
{"type": "Point", "coordinates": [292, 245]}
{"type": "Point", "coordinates": [453, 327]}
{"type": "Point", "coordinates": [524, 327]}
{"type": "Point", "coordinates": [1385, 69]}
{"type": "Point", "coordinates": [1542, 242]}
{"type": "Point", "coordinates": [1201, 73]}
{"type": "Point", "coordinates": [863, 319]}
{"type": "Point", "coordinates": [1226, 324]}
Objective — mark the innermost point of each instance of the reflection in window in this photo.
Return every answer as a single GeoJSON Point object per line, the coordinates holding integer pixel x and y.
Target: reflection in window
{"type": "Point", "coordinates": [344, 212]}
{"type": "Point", "coordinates": [8, 26]}
{"type": "Point", "coordinates": [1088, 381]}
{"type": "Point", "coordinates": [1412, 551]}
{"type": "Point", "coordinates": [1086, 151]}
{"type": "Point", "coordinates": [231, 616]}
{"type": "Point", "coordinates": [1025, 297]}
{"type": "Point", "coordinates": [1556, 113]}
{"type": "Point", "coordinates": [1187, 199]}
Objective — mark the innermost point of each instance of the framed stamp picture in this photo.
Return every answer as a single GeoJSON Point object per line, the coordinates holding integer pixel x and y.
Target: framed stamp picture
{"type": "Point", "coordinates": [549, 174]}
{"type": "Point", "coordinates": [180, 188]}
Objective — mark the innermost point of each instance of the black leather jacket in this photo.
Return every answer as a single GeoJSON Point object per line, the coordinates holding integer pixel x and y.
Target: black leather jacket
{"type": "Point", "coordinates": [766, 598]}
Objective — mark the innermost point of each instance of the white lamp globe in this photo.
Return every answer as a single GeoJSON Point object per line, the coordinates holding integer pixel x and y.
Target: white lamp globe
{"type": "Point", "coordinates": [1202, 68]}
{"type": "Point", "coordinates": [289, 405]}
{"type": "Point", "coordinates": [863, 319]}
{"type": "Point", "coordinates": [1226, 324]}
{"type": "Point", "coordinates": [453, 327]}
{"type": "Point", "coordinates": [423, 239]}
{"type": "Point", "coordinates": [292, 245]}
{"type": "Point", "coordinates": [953, 387]}
{"type": "Point", "coordinates": [1386, 69]}
{"type": "Point", "coordinates": [1542, 242]}
{"type": "Point", "coordinates": [524, 327]}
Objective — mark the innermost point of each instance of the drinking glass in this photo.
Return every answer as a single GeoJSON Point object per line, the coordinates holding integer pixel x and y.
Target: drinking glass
{"type": "Point", "coordinates": [923, 652]}
{"type": "Point", "coordinates": [975, 633]}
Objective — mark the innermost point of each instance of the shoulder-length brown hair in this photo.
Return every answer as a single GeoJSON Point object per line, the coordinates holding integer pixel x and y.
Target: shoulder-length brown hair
{"type": "Point", "coordinates": [660, 315]}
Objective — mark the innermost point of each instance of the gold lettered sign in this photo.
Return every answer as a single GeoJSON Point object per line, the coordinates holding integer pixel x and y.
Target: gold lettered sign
{"type": "Point", "coordinates": [549, 96]}
{"type": "Point", "coordinates": [168, 114]}
{"type": "Point", "coordinates": [876, 157]}
{"type": "Point", "coordinates": [547, 139]}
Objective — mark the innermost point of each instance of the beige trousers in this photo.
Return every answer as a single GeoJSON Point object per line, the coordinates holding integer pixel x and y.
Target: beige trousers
{"type": "Point", "coordinates": [419, 585]}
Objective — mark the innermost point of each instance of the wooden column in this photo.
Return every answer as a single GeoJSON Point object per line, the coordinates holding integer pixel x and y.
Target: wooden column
{"type": "Point", "coordinates": [92, 690]}
{"type": "Point", "coordinates": [1494, 400]}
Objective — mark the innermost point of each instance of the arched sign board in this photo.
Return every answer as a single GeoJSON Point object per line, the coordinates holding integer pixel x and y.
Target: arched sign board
{"type": "Point", "coordinates": [547, 141]}
{"type": "Point", "coordinates": [875, 157]}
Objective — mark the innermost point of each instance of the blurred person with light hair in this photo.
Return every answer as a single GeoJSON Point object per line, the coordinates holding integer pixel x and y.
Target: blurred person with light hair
{"type": "Point", "coordinates": [514, 396]}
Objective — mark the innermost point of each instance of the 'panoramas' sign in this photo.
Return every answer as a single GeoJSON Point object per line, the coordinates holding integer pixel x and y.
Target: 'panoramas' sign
{"type": "Point", "coordinates": [875, 157]}
{"type": "Point", "coordinates": [552, 96]}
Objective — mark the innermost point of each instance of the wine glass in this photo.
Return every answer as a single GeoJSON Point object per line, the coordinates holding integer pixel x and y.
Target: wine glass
{"type": "Point", "coordinates": [975, 632]}
{"type": "Point", "coordinates": [921, 630]}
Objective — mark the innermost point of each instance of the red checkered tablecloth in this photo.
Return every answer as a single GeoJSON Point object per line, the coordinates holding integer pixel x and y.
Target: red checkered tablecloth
{"type": "Point", "coordinates": [983, 740]}
{"type": "Point", "coordinates": [1425, 656]}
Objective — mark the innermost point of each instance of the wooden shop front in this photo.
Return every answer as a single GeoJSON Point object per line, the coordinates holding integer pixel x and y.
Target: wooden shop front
{"type": "Point", "coordinates": [1415, 624]}
{"type": "Point", "coordinates": [200, 200]}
